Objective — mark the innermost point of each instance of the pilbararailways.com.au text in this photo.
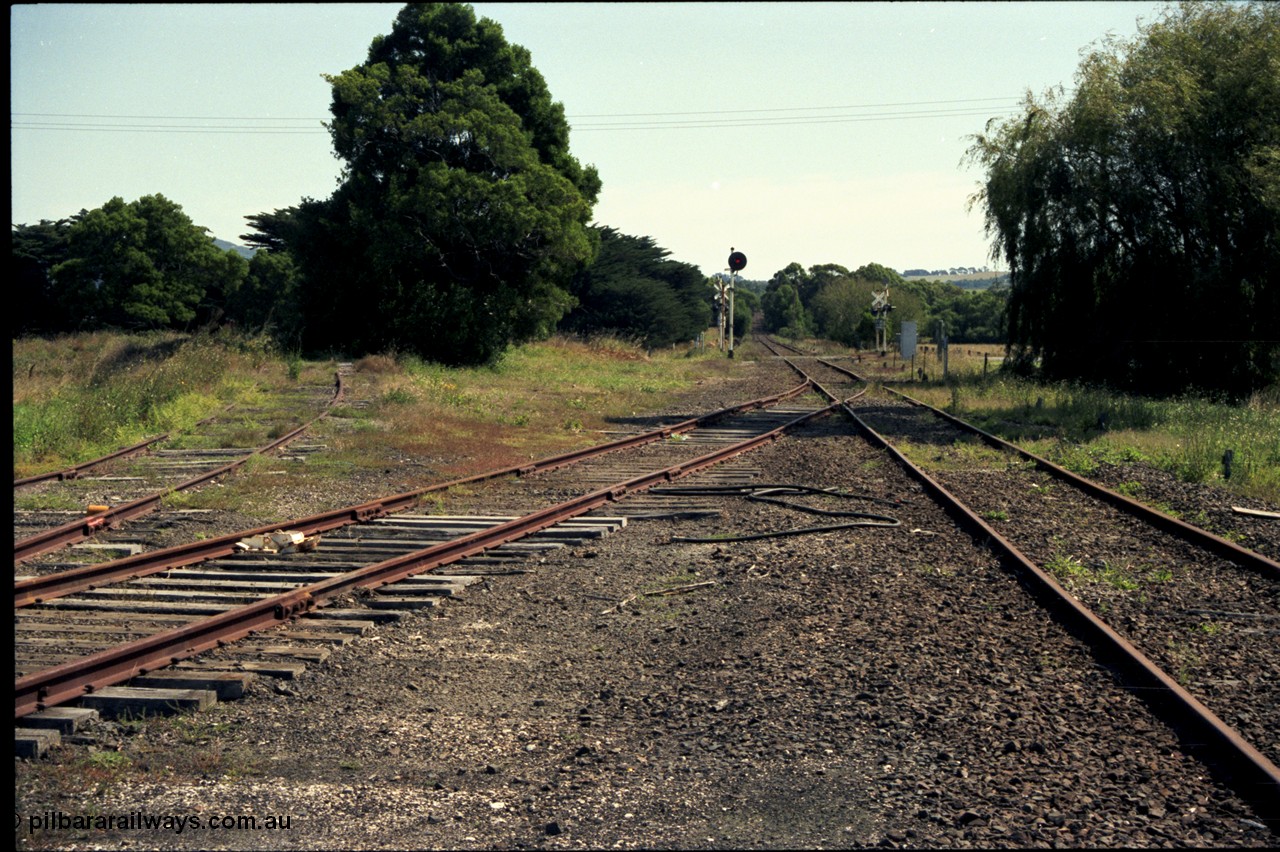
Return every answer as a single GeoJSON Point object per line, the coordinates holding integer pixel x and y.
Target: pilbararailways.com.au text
{"type": "Point", "coordinates": [139, 821]}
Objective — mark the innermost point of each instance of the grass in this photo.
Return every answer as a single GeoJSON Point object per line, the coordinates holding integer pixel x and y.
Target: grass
{"type": "Point", "coordinates": [1082, 428]}
{"type": "Point", "coordinates": [78, 397]}
{"type": "Point", "coordinates": [1123, 578]}
{"type": "Point", "coordinates": [540, 399]}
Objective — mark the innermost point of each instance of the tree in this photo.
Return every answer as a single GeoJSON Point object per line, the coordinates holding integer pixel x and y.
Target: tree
{"type": "Point", "coordinates": [36, 249]}
{"type": "Point", "coordinates": [143, 264]}
{"type": "Point", "coordinates": [631, 289]}
{"type": "Point", "coordinates": [269, 300]}
{"type": "Point", "coordinates": [785, 313]}
{"type": "Point", "coordinates": [461, 216]}
{"type": "Point", "coordinates": [842, 311]}
{"type": "Point", "coordinates": [1140, 217]}
{"type": "Point", "coordinates": [746, 304]}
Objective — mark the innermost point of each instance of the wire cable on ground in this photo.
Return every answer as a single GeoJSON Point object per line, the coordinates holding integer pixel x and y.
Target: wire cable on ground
{"type": "Point", "coordinates": [768, 494]}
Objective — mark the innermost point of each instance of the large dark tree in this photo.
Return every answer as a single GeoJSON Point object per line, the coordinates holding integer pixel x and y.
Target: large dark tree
{"type": "Point", "coordinates": [461, 216]}
{"type": "Point", "coordinates": [633, 290]}
{"type": "Point", "coordinates": [36, 250]}
{"type": "Point", "coordinates": [1140, 217]}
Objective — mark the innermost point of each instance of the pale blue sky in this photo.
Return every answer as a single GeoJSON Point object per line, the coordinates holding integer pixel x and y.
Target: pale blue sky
{"type": "Point", "coordinates": [808, 132]}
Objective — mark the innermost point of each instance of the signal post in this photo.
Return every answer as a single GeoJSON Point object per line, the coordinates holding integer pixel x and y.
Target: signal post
{"type": "Point", "coordinates": [737, 263]}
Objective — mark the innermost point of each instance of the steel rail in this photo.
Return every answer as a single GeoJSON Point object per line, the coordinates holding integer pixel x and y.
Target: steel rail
{"type": "Point", "coordinates": [1202, 537]}
{"type": "Point", "coordinates": [36, 590]}
{"type": "Point", "coordinates": [81, 529]}
{"type": "Point", "coordinates": [1196, 535]}
{"type": "Point", "coordinates": [74, 678]}
{"type": "Point", "coordinates": [74, 471]}
{"type": "Point", "coordinates": [1255, 777]}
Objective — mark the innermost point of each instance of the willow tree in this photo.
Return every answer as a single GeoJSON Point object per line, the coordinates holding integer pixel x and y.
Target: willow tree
{"type": "Point", "coordinates": [461, 217]}
{"type": "Point", "coordinates": [1139, 217]}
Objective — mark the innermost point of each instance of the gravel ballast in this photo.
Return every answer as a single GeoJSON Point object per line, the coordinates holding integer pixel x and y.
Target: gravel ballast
{"type": "Point", "coordinates": [868, 687]}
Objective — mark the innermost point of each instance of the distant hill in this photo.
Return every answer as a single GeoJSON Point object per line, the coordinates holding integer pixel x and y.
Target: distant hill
{"type": "Point", "coordinates": [246, 253]}
{"type": "Point", "coordinates": [967, 280]}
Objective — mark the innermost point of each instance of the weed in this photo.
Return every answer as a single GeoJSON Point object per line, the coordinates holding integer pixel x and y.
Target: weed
{"type": "Point", "coordinates": [1129, 489]}
{"type": "Point", "coordinates": [996, 515]}
{"type": "Point", "coordinates": [1185, 660]}
{"type": "Point", "coordinates": [50, 502]}
{"type": "Point", "coordinates": [1187, 436]}
{"type": "Point", "coordinates": [1117, 576]}
{"type": "Point", "coordinates": [1067, 567]}
{"type": "Point", "coordinates": [398, 396]}
{"type": "Point", "coordinates": [1062, 566]}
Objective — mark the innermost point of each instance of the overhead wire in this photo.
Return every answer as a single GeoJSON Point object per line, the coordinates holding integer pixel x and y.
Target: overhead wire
{"type": "Point", "coordinates": [675, 120]}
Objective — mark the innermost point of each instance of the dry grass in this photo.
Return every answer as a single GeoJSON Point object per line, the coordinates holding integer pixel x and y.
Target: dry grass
{"type": "Point", "coordinates": [541, 399]}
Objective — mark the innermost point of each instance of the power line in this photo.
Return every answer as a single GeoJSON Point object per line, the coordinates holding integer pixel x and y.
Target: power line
{"type": "Point", "coordinates": [780, 122]}
{"type": "Point", "coordinates": [161, 128]}
{"type": "Point", "coordinates": [734, 118]}
{"type": "Point", "coordinates": [785, 109]}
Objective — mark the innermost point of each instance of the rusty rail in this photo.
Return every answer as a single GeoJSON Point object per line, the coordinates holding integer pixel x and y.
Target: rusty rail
{"type": "Point", "coordinates": [74, 471]}
{"type": "Point", "coordinates": [77, 677]}
{"type": "Point", "coordinates": [83, 528]}
{"type": "Point", "coordinates": [1213, 543]}
{"type": "Point", "coordinates": [1250, 772]}
{"type": "Point", "coordinates": [39, 589]}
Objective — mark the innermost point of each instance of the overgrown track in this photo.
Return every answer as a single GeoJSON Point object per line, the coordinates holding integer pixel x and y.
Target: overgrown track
{"type": "Point", "coordinates": [201, 611]}
{"type": "Point", "coordinates": [118, 493]}
{"type": "Point", "coordinates": [1175, 598]}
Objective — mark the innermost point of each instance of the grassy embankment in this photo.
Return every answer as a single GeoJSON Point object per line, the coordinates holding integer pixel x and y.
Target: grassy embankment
{"type": "Point", "coordinates": [78, 397]}
{"type": "Point", "coordinates": [1081, 427]}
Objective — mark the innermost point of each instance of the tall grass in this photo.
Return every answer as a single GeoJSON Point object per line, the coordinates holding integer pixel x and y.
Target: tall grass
{"type": "Point", "coordinates": [75, 398]}
{"type": "Point", "coordinates": [1081, 427]}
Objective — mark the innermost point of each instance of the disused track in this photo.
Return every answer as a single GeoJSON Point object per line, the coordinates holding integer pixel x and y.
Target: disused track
{"type": "Point", "coordinates": [374, 561]}
{"type": "Point", "coordinates": [123, 493]}
{"type": "Point", "coordinates": [548, 486]}
{"type": "Point", "coordinates": [1201, 577]}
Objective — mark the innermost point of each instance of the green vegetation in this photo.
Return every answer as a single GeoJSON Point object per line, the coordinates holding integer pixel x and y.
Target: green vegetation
{"type": "Point", "coordinates": [1067, 567]}
{"type": "Point", "coordinates": [459, 228]}
{"type": "Point", "coordinates": [1123, 210]}
{"type": "Point", "coordinates": [461, 217]}
{"type": "Point", "coordinates": [136, 265]}
{"type": "Point", "coordinates": [829, 300]}
{"type": "Point", "coordinates": [632, 290]}
{"type": "Point", "coordinates": [542, 398]}
{"type": "Point", "coordinates": [1082, 427]}
{"type": "Point", "coordinates": [80, 397]}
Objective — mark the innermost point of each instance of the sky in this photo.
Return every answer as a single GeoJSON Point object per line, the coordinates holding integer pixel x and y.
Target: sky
{"type": "Point", "coordinates": [792, 132]}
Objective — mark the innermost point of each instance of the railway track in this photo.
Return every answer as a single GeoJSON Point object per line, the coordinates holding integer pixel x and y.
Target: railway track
{"type": "Point", "coordinates": [187, 611]}
{"type": "Point", "coordinates": [1155, 595]}
{"type": "Point", "coordinates": [514, 493]}
{"type": "Point", "coordinates": [102, 494]}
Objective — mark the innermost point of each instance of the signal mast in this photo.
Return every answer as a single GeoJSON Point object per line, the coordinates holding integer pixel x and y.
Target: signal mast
{"type": "Point", "coordinates": [880, 308]}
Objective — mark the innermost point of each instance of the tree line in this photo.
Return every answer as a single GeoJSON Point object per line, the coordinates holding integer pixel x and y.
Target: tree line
{"type": "Point", "coordinates": [460, 226]}
{"type": "Point", "coordinates": [828, 300]}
